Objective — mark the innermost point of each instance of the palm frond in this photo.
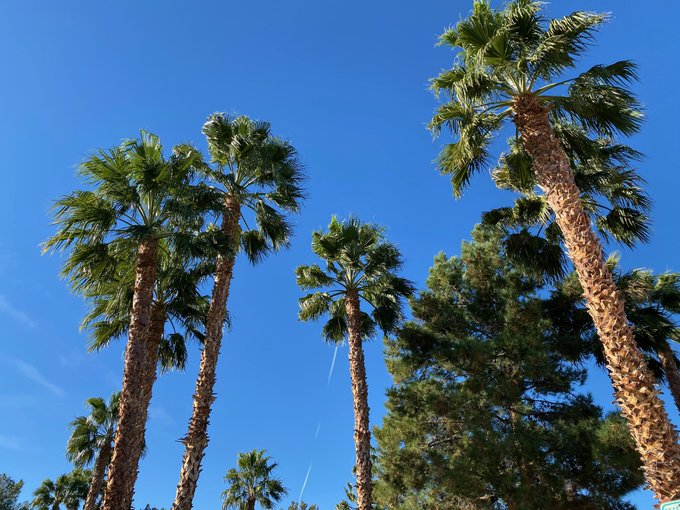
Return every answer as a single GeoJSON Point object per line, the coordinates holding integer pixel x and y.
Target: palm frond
{"type": "Point", "coordinates": [313, 306]}
{"type": "Point", "coordinates": [469, 154]}
{"type": "Point", "coordinates": [599, 105]}
{"type": "Point", "coordinates": [312, 277]}
{"type": "Point", "coordinates": [535, 255]}
{"type": "Point", "coordinates": [563, 42]}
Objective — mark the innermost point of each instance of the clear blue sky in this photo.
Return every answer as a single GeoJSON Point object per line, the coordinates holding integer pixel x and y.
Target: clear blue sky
{"type": "Point", "coordinates": [346, 82]}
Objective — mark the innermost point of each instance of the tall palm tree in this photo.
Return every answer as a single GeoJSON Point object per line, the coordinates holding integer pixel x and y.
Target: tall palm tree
{"type": "Point", "coordinates": [256, 182]}
{"type": "Point", "coordinates": [91, 442]}
{"type": "Point", "coordinates": [361, 267]}
{"type": "Point", "coordinates": [252, 483]}
{"type": "Point", "coordinates": [68, 489]}
{"type": "Point", "coordinates": [510, 65]}
{"type": "Point", "coordinates": [137, 202]}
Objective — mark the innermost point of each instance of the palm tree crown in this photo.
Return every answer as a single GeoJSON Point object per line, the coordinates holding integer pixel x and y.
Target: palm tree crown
{"type": "Point", "coordinates": [91, 433]}
{"type": "Point", "coordinates": [260, 176]}
{"type": "Point", "coordinates": [138, 194]}
{"type": "Point", "coordinates": [361, 262]}
{"type": "Point", "coordinates": [253, 482]}
{"type": "Point", "coordinates": [68, 489]}
{"type": "Point", "coordinates": [653, 304]}
{"type": "Point", "coordinates": [512, 56]}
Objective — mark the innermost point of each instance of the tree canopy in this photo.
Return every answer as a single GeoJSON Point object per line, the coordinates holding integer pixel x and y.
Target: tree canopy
{"type": "Point", "coordinates": [484, 405]}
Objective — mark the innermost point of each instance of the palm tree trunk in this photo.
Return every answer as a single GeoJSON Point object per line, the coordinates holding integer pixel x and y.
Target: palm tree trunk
{"type": "Point", "coordinates": [196, 440]}
{"type": "Point", "coordinates": [141, 359]}
{"type": "Point", "coordinates": [670, 370]}
{"type": "Point", "coordinates": [634, 385]}
{"type": "Point", "coordinates": [97, 482]}
{"type": "Point", "coordinates": [362, 431]}
{"type": "Point", "coordinates": [55, 504]}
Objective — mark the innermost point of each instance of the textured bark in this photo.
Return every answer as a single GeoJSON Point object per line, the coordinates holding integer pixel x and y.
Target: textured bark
{"type": "Point", "coordinates": [55, 504]}
{"type": "Point", "coordinates": [634, 385]}
{"type": "Point", "coordinates": [196, 440]}
{"type": "Point", "coordinates": [362, 431]}
{"type": "Point", "coordinates": [139, 374]}
{"type": "Point", "coordinates": [670, 370]}
{"type": "Point", "coordinates": [97, 481]}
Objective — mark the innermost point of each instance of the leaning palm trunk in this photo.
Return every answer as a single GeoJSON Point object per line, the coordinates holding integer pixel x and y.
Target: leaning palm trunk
{"type": "Point", "coordinates": [670, 370]}
{"type": "Point", "coordinates": [97, 481]}
{"type": "Point", "coordinates": [362, 431]}
{"type": "Point", "coordinates": [141, 359]}
{"type": "Point", "coordinates": [196, 440]}
{"type": "Point", "coordinates": [634, 385]}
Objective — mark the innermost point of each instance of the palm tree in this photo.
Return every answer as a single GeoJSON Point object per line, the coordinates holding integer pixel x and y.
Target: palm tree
{"type": "Point", "coordinates": [138, 202]}
{"type": "Point", "coordinates": [91, 442]}
{"type": "Point", "coordinates": [302, 506]}
{"type": "Point", "coordinates": [47, 496]}
{"type": "Point", "coordinates": [257, 181]}
{"type": "Point", "coordinates": [509, 66]}
{"type": "Point", "coordinates": [68, 489]}
{"type": "Point", "coordinates": [252, 483]}
{"type": "Point", "coordinates": [360, 266]}
{"type": "Point", "coordinates": [652, 304]}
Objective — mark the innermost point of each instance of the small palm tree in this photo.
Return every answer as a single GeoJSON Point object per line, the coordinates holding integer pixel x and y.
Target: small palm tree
{"type": "Point", "coordinates": [252, 483]}
{"type": "Point", "coordinates": [138, 202]}
{"type": "Point", "coordinates": [652, 305]}
{"type": "Point", "coordinates": [302, 506]}
{"type": "Point", "coordinates": [510, 65]}
{"type": "Point", "coordinates": [611, 194]}
{"type": "Point", "coordinates": [68, 489]}
{"type": "Point", "coordinates": [91, 442]}
{"type": "Point", "coordinates": [256, 183]}
{"type": "Point", "coordinates": [360, 267]}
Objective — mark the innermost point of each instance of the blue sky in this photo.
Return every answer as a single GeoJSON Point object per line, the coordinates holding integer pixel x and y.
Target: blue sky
{"type": "Point", "coordinates": [346, 82]}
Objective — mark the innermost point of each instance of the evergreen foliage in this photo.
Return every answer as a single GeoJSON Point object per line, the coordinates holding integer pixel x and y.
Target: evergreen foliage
{"type": "Point", "coordinates": [486, 409]}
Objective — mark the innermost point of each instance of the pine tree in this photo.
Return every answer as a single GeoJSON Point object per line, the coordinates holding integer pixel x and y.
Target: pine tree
{"type": "Point", "coordinates": [485, 411]}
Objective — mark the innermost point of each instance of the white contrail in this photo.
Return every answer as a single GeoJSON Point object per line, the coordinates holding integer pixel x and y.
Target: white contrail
{"type": "Point", "coordinates": [318, 426]}
{"type": "Point", "coordinates": [330, 372]}
{"type": "Point", "coordinates": [305, 483]}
